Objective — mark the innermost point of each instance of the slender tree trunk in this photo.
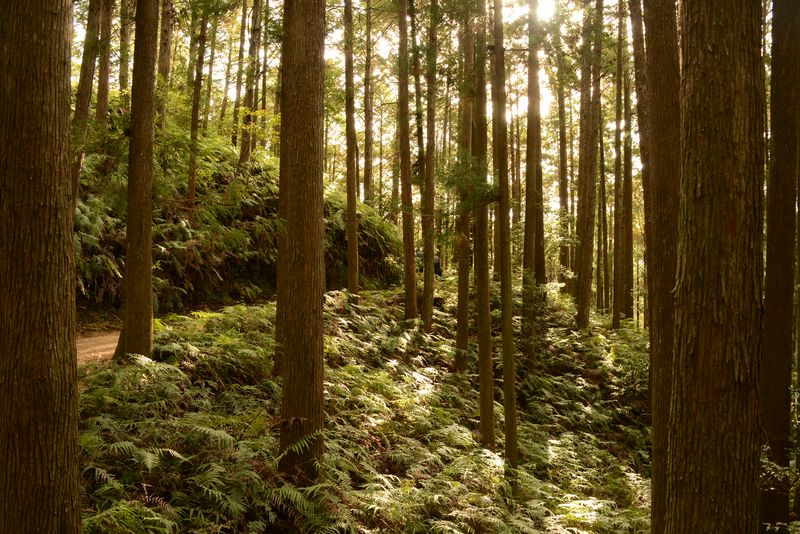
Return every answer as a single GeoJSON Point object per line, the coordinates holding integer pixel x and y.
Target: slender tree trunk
{"type": "Point", "coordinates": [302, 406]}
{"type": "Point", "coordinates": [104, 63]}
{"type": "Point", "coordinates": [601, 209]}
{"type": "Point", "coordinates": [250, 91]}
{"type": "Point", "coordinates": [415, 55]}
{"type": "Point", "coordinates": [626, 233]}
{"type": "Point", "coordinates": [210, 76]}
{"type": "Point", "coordinates": [563, 176]}
{"type": "Point", "coordinates": [619, 244]}
{"type": "Point", "coordinates": [83, 96]}
{"type": "Point", "coordinates": [776, 366]}
{"type": "Point", "coordinates": [664, 116]}
{"type": "Point", "coordinates": [137, 326]}
{"type": "Point", "coordinates": [369, 188]}
{"type": "Point", "coordinates": [479, 160]}
{"type": "Point", "coordinates": [193, 21]}
{"type": "Point", "coordinates": [714, 440]}
{"type": "Point", "coordinates": [239, 73]}
{"type": "Point", "coordinates": [165, 46]}
{"type": "Point", "coordinates": [352, 184]}
{"type": "Point", "coordinates": [590, 112]}
{"type": "Point", "coordinates": [409, 267]}
{"type": "Point", "coordinates": [428, 198]}
{"type": "Point", "coordinates": [224, 106]}
{"type": "Point", "coordinates": [467, 91]}
{"type": "Point", "coordinates": [265, 42]}
{"type": "Point", "coordinates": [40, 480]}
{"type": "Point", "coordinates": [395, 208]}
{"type": "Point", "coordinates": [604, 226]}
{"type": "Point", "coordinates": [195, 124]}
{"type": "Point", "coordinates": [125, 23]}
{"type": "Point", "coordinates": [509, 366]}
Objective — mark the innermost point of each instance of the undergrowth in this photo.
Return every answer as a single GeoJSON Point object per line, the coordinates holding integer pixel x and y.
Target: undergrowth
{"type": "Point", "coordinates": [188, 443]}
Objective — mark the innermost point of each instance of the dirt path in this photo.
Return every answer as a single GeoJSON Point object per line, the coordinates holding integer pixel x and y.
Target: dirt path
{"type": "Point", "coordinates": [96, 349]}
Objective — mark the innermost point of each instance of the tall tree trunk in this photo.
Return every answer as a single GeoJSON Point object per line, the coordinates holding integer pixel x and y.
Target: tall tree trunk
{"type": "Point", "coordinates": [563, 175]}
{"type": "Point", "coordinates": [352, 184]}
{"type": "Point", "coordinates": [195, 121]}
{"type": "Point", "coordinates": [265, 42]}
{"type": "Point", "coordinates": [227, 85]}
{"type": "Point", "coordinates": [301, 269]}
{"type": "Point", "coordinates": [409, 266]}
{"type": "Point", "coordinates": [604, 225]}
{"type": "Point", "coordinates": [533, 250]}
{"type": "Point", "coordinates": [40, 480]}
{"type": "Point", "coordinates": [479, 160]}
{"type": "Point", "coordinates": [509, 366]}
{"type": "Point", "coordinates": [369, 188]}
{"type": "Point", "coordinates": [714, 435]}
{"type": "Point", "coordinates": [776, 366]}
{"type": "Point", "coordinates": [125, 23]}
{"type": "Point", "coordinates": [104, 63]}
{"type": "Point", "coordinates": [428, 198]}
{"type": "Point", "coordinates": [193, 21]}
{"type": "Point", "coordinates": [83, 96]}
{"type": "Point", "coordinates": [601, 209]}
{"type": "Point", "coordinates": [664, 116]}
{"type": "Point", "coordinates": [642, 106]}
{"type": "Point", "coordinates": [210, 76]}
{"type": "Point", "coordinates": [251, 88]}
{"type": "Point", "coordinates": [589, 126]}
{"type": "Point", "coordinates": [626, 232]}
{"type": "Point", "coordinates": [467, 102]}
{"type": "Point", "coordinates": [395, 208]}
{"type": "Point", "coordinates": [137, 326]}
{"type": "Point", "coordinates": [165, 46]}
{"type": "Point", "coordinates": [239, 73]}
{"type": "Point", "coordinates": [619, 245]}
{"type": "Point", "coordinates": [415, 55]}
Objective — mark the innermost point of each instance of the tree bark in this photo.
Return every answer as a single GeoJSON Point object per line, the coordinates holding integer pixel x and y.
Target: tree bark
{"type": "Point", "coordinates": [195, 120]}
{"type": "Point", "coordinates": [39, 480]}
{"type": "Point", "coordinates": [251, 88]}
{"type": "Point", "coordinates": [428, 198]}
{"type": "Point", "coordinates": [352, 183]}
{"type": "Point", "coordinates": [479, 160]}
{"type": "Point", "coordinates": [714, 441]}
{"type": "Point", "coordinates": [137, 327]}
{"type": "Point", "coordinates": [664, 116]}
{"type": "Point", "coordinates": [369, 188]}
{"type": "Point", "coordinates": [83, 96]}
{"type": "Point", "coordinates": [210, 75]}
{"type": "Point", "coordinates": [563, 174]}
{"type": "Point", "coordinates": [617, 310]}
{"type": "Point", "coordinates": [125, 20]}
{"type": "Point", "coordinates": [239, 73]}
{"type": "Point", "coordinates": [776, 366]}
{"type": "Point", "coordinates": [227, 85]}
{"type": "Point", "coordinates": [104, 63]}
{"type": "Point", "coordinates": [301, 265]}
{"type": "Point", "coordinates": [589, 126]}
{"type": "Point", "coordinates": [501, 145]}
{"type": "Point", "coordinates": [420, 164]}
{"type": "Point", "coordinates": [165, 46]}
{"type": "Point", "coordinates": [409, 267]}
{"type": "Point", "coordinates": [467, 91]}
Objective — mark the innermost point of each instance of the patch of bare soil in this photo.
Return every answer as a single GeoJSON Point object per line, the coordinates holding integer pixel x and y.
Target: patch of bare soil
{"type": "Point", "coordinates": [96, 349]}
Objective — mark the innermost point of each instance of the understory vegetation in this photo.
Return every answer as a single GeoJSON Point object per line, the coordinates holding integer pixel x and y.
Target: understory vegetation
{"type": "Point", "coordinates": [189, 443]}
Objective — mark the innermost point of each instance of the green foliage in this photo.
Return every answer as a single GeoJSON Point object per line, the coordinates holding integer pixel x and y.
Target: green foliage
{"type": "Point", "coordinates": [190, 444]}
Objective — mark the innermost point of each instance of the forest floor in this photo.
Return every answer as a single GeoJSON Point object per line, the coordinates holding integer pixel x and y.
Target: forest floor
{"type": "Point", "coordinates": [188, 441]}
{"type": "Point", "coordinates": [96, 348]}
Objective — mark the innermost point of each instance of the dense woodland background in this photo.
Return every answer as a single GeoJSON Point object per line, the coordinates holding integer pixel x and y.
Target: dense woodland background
{"type": "Point", "coordinates": [400, 266]}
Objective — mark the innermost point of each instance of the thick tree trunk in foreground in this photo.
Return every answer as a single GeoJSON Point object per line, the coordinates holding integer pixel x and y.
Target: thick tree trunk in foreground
{"type": "Point", "coordinates": [664, 116]}
{"type": "Point", "coordinates": [137, 326]}
{"type": "Point", "coordinates": [714, 436]}
{"type": "Point", "coordinates": [409, 267]}
{"type": "Point", "coordinates": [301, 265]}
{"type": "Point", "coordinates": [776, 366]}
{"type": "Point", "coordinates": [39, 479]}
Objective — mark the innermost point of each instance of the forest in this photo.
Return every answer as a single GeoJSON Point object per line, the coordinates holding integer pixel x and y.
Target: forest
{"type": "Point", "coordinates": [399, 266]}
